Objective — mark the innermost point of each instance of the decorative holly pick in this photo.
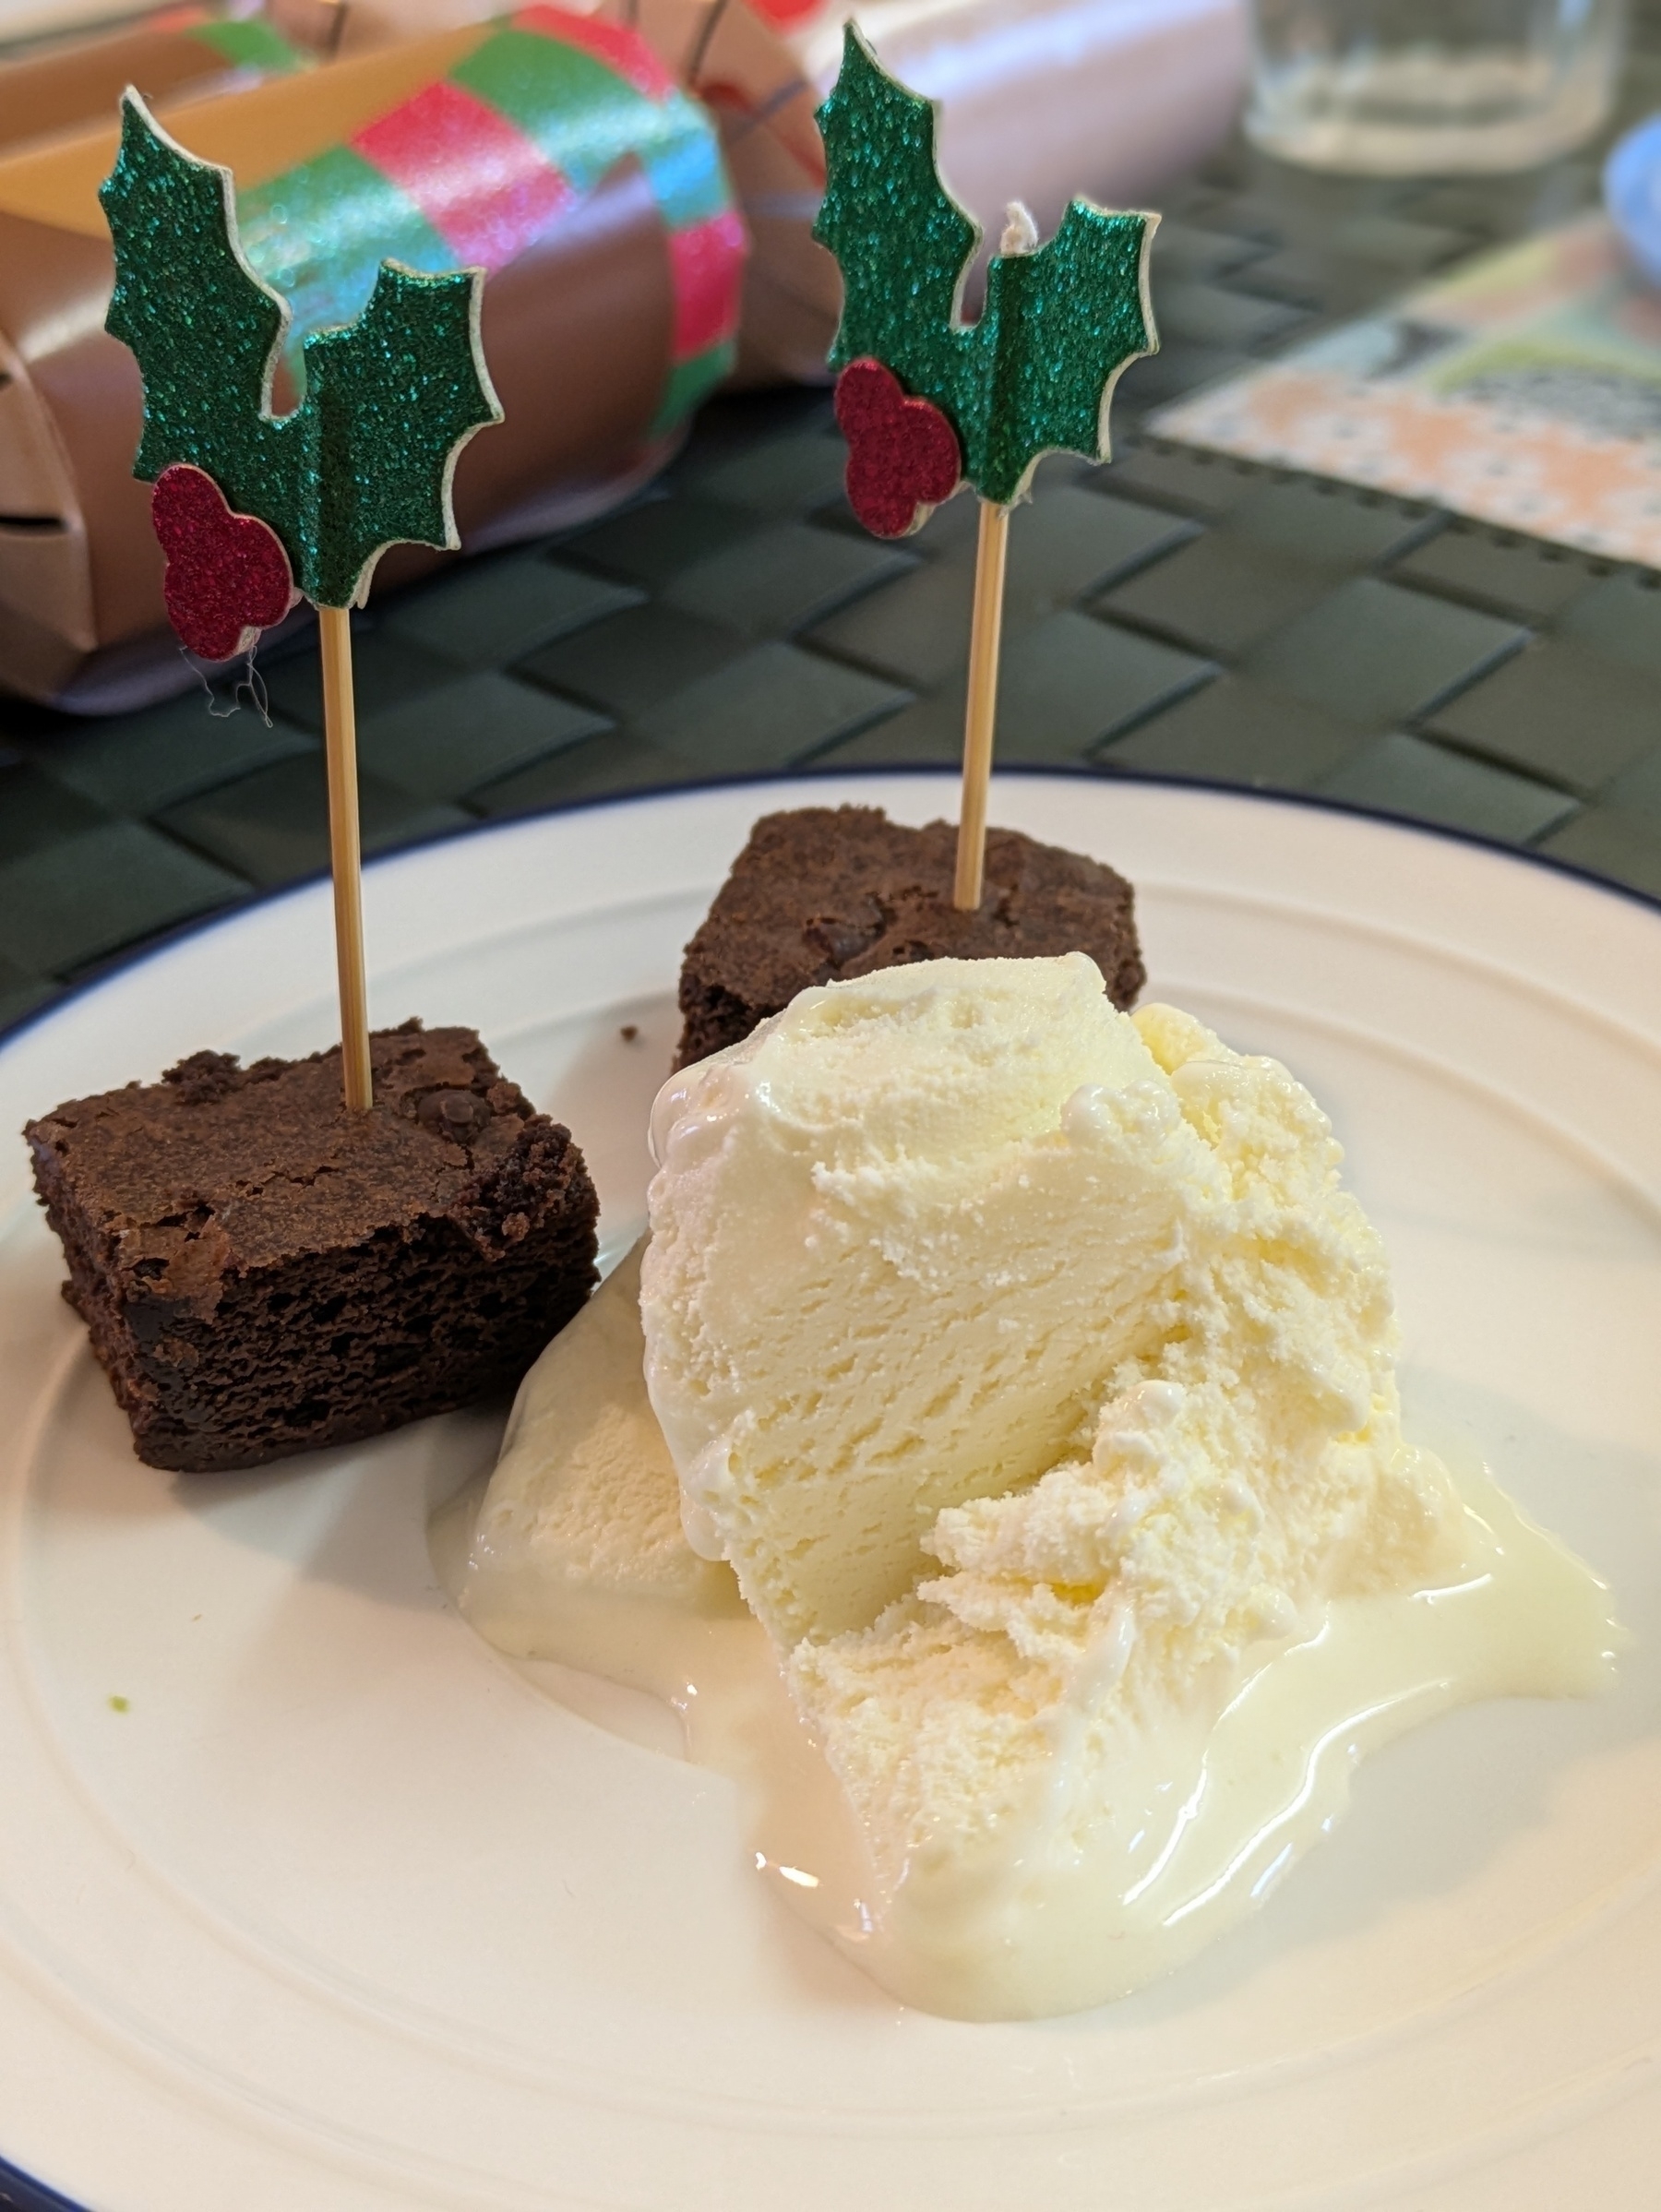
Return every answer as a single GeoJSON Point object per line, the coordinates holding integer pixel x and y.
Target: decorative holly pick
{"type": "Point", "coordinates": [1034, 375]}
{"type": "Point", "coordinates": [364, 461]}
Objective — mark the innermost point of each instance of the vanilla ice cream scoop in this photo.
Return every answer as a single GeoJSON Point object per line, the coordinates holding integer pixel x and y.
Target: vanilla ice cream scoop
{"type": "Point", "coordinates": [956, 1265]}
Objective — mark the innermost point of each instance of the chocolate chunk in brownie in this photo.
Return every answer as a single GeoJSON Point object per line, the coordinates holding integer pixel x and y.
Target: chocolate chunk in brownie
{"type": "Point", "coordinates": [262, 1272]}
{"type": "Point", "coordinates": [823, 893]}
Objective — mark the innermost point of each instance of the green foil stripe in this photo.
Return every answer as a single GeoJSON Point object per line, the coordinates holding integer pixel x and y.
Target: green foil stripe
{"type": "Point", "coordinates": [584, 119]}
{"type": "Point", "coordinates": [691, 382]}
{"type": "Point", "coordinates": [365, 217]}
{"type": "Point", "coordinates": [1034, 375]}
{"type": "Point", "coordinates": [250, 45]}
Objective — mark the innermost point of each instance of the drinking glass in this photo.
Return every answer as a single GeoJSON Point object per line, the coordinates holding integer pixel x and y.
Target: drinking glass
{"type": "Point", "coordinates": [1426, 88]}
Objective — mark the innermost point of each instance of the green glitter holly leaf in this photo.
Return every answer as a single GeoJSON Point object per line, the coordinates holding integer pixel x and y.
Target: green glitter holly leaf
{"type": "Point", "coordinates": [1035, 373]}
{"type": "Point", "coordinates": [366, 459]}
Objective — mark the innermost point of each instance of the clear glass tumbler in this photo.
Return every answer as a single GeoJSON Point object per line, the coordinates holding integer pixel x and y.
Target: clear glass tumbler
{"type": "Point", "coordinates": [1428, 87]}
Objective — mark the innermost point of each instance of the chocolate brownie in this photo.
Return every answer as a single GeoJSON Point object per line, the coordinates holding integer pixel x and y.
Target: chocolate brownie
{"type": "Point", "coordinates": [262, 1272]}
{"type": "Point", "coordinates": [823, 893]}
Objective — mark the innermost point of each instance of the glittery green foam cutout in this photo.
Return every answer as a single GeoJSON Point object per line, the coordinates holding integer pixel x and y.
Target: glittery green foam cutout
{"type": "Point", "coordinates": [1035, 373]}
{"type": "Point", "coordinates": [391, 397]}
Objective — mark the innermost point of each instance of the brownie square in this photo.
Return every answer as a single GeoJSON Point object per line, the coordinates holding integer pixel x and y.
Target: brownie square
{"type": "Point", "coordinates": [823, 893]}
{"type": "Point", "coordinates": [262, 1272]}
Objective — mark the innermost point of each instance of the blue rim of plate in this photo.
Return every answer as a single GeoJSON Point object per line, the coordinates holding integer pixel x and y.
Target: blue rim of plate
{"type": "Point", "coordinates": [20, 2192]}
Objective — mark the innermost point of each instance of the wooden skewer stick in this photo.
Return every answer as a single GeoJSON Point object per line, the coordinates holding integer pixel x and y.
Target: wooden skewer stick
{"type": "Point", "coordinates": [981, 722]}
{"type": "Point", "coordinates": [339, 727]}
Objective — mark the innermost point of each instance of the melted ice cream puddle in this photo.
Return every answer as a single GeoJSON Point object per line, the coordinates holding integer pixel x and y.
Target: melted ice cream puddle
{"type": "Point", "coordinates": [574, 1562]}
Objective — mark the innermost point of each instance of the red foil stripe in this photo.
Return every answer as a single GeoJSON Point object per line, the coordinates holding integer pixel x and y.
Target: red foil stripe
{"type": "Point", "coordinates": [622, 50]}
{"type": "Point", "coordinates": [707, 262]}
{"type": "Point", "coordinates": [485, 188]}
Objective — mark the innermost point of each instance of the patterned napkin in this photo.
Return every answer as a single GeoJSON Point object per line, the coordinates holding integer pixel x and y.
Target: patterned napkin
{"type": "Point", "coordinates": [1524, 391]}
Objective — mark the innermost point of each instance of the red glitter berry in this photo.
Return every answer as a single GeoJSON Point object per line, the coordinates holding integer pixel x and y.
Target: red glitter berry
{"type": "Point", "coordinates": [227, 576]}
{"type": "Point", "coordinates": [904, 457]}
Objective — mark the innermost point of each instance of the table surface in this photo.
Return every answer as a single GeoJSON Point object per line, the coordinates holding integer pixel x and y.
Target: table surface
{"type": "Point", "coordinates": [1170, 615]}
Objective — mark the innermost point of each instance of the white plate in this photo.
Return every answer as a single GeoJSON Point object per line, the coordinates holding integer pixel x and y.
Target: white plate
{"type": "Point", "coordinates": [339, 1913]}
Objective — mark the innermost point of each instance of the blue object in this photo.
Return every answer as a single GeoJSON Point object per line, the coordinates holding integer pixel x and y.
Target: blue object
{"type": "Point", "coordinates": [1631, 184]}
{"type": "Point", "coordinates": [18, 2193]}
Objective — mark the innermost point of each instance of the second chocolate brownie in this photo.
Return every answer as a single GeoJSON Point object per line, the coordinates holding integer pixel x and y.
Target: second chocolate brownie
{"type": "Point", "coordinates": [822, 894]}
